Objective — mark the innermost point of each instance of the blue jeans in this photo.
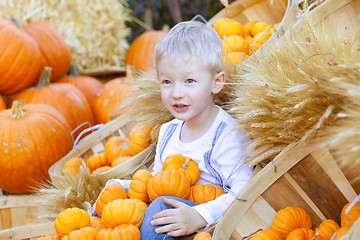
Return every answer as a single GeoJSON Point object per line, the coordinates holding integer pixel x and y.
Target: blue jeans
{"type": "Point", "coordinates": [147, 231]}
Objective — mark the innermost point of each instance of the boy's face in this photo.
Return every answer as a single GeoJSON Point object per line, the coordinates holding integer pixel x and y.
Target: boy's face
{"type": "Point", "coordinates": [187, 89]}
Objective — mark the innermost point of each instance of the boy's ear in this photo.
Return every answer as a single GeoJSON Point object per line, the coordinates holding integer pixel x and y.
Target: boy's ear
{"type": "Point", "coordinates": [218, 82]}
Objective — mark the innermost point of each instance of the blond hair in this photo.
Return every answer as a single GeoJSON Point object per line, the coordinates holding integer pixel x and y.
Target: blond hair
{"type": "Point", "coordinates": [191, 40]}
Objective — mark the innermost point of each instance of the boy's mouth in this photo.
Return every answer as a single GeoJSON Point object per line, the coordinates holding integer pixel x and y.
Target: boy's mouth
{"type": "Point", "coordinates": [180, 107]}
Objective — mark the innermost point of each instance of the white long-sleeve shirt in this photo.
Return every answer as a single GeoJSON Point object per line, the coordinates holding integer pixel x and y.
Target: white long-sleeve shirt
{"type": "Point", "coordinates": [219, 155]}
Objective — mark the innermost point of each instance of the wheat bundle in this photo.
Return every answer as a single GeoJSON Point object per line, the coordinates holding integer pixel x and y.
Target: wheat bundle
{"type": "Point", "coordinates": [95, 30]}
{"type": "Point", "coordinates": [79, 191]}
{"type": "Point", "coordinates": [288, 93]}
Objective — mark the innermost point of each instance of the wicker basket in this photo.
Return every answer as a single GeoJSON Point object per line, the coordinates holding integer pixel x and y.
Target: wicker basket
{"type": "Point", "coordinates": [16, 210]}
{"type": "Point", "coordinates": [33, 231]}
{"type": "Point", "coordinates": [95, 143]}
{"type": "Point", "coordinates": [302, 175]}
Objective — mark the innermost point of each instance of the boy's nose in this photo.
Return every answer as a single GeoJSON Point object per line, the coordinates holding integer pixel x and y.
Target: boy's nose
{"type": "Point", "coordinates": [177, 91]}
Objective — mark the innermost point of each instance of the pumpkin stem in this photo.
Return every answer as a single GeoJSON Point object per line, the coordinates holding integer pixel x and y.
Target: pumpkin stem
{"type": "Point", "coordinates": [184, 166]}
{"type": "Point", "coordinates": [44, 78]}
{"type": "Point", "coordinates": [16, 22]}
{"type": "Point", "coordinates": [72, 71]}
{"type": "Point", "coordinates": [17, 110]}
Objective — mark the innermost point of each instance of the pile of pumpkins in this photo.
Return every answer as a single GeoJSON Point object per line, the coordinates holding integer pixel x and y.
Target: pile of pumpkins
{"type": "Point", "coordinates": [241, 41]}
{"type": "Point", "coordinates": [42, 109]}
{"type": "Point", "coordinates": [120, 213]}
{"type": "Point", "coordinates": [117, 150]}
{"type": "Point", "coordinates": [294, 223]}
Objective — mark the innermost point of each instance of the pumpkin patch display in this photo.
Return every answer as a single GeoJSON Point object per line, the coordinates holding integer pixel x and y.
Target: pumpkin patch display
{"type": "Point", "coordinates": [56, 52]}
{"type": "Point", "coordinates": [141, 51]}
{"type": "Point", "coordinates": [71, 219]}
{"type": "Point", "coordinates": [21, 60]}
{"type": "Point", "coordinates": [184, 165]}
{"type": "Point", "coordinates": [168, 183]}
{"type": "Point", "coordinates": [28, 134]}
{"type": "Point", "coordinates": [65, 98]}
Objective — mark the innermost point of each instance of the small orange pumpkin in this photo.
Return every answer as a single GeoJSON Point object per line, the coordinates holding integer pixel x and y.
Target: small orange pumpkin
{"type": "Point", "coordinates": [110, 193]}
{"type": "Point", "coordinates": [235, 58]}
{"type": "Point", "coordinates": [221, 21]}
{"type": "Point", "coordinates": [117, 146]}
{"type": "Point", "coordinates": [101, 169]}
{"type": "Point", "coordinates": [290, 218]}
{"type": "Point", "coordinates": [168, 183]}
{"type": "Point", "coordinates": [267, 234]}
{"type": "Point", "coordinates": [97, 223]}
{"type": "Point", "coordinates": [71, 219]}
{"type": "Point", "coordinates": [248, 27]}
{"type": "Point", "coordinates": [234, 43]}
{"type": "Point", "coordinates": [138, 185]}
{"type": "Point", "coordinates": [119, 161]}
{"type": "Point", "coordinates": [203, 236]}
{"type": "Point", "coordinates": [124, 211]}
{"type": "Point", "coordinates": [327, 228]}
{"type": "Point", "coordinates": [140, 138]}
{"type": "Point", "coordinates": [97, 160]}
{"type": "Point", "coordinates": [123, 231]}
{"type": "Point", "coordinates": [260, 38]}
{"type": "Point", "coordinates": [73, 165]}
{"type": "Point", "coordinates": [302, 234]}
{"type": "Point", "coordinates": [347, 220]}
{"type": "Point", "coordinates": [259, 27]}
{"type": "Point", "coordinates": [200, 193]}
{"type": "Point", "coordinates": [342, 231]}
{"type": "Point", "coordinates": [86, 233]}
{"type": "Point", "coordinates": [184, 165]}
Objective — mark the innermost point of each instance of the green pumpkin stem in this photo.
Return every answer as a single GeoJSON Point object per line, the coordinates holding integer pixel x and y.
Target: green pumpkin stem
{"type": "Point", "coordinates": [184, 166]}
{"type": "Point", "coordinates": [17, 110]}
{"type": "Point", "coordinates": [44, 78]}
{"type": "Point", "coordinates": [72, 71]}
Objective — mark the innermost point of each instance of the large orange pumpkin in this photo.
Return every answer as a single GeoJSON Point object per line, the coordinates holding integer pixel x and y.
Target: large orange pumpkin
{"type": "Point", "coordinates": [56, 52]}
{"type": "Point", "coordinates": [290, 218]}
{"type": "Point", "coordinates": [89, 86]}
{"type": "Point", "coordinates": [184, 165]}
{"type": "Point", "coordinates": [64, 97]}
{"type": "Point", "coordinates": [168, 183]}
{"type": "Point", "coordinates": [32, 138]}
{"type": "Point", "coordinates": [106, 103]}
{"type": "Point", "coordinates": [21, 60]}
{"type": "Point", "coordinates": [2, 103]}
{"type": "Point", "coordinates": [141, 51]}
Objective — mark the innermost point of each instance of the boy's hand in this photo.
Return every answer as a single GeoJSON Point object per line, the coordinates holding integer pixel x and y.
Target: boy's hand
{"type": "Point", "coordinates": [180, 221]}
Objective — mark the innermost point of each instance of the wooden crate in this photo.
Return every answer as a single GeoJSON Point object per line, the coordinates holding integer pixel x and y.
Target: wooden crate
{"type": "Point", "coordinates": [28, 232]}
{"type": "Point", "coordinates": [302, 175]}
{"type": "Point", "coordinates": [95, 143]}
{"type": "Point", "coordinates": [16, 210]}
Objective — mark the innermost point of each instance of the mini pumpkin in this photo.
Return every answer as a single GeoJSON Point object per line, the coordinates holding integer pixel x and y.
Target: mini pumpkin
{"type": "Point", "coordinates": [86, 233]}
{"type": "Point", "coordinates": [138, 185]}
{"type": "Point", "coordinates": [267, 234]}
{"type": "Point", "coordinates": [117, 146]}
{"type": "Point", "coordinates": [119, 161]}
{"type": "Point", "coordinates": [347, 219]}
{"type": "Point", "coordinates": [327, 228]}
{"type": "Point", "coordinates": [71, 219]}
{"type": "Point", "coordinates": [97, 223]}
{"type": "Point", "coordinates": [110, 193]}
{"type": "Point", "coordinates": [341, 232]}
{"type": "Point", "coordinates": [140, 138]}
{"type": "Point", "coordinates": [221, 21]}
{"type": "Point", "coordinates": [50, 237]}
{"type": "Point", "coordinates": [231, 28]}
{"type": "Point", "coordinates": [124, 211]}
{"type": "Point", "coordinates": [183, 165]}
{"type": "Point", "coordinates": [259, 27]}
{"type": "Point", "coordinates": [290, 218]}
{"type": "Point", "coordinates": [121, 232]}
{"type": "Point", "coordinates": [168, 183]}
{"type": "Point", "coordinates": [248, 27]}
{"type": "Point", "coordinates": [234, 58]}
{"type": "Point", "coordinates": [101, 169]}
{"type": "Point", "coordinates": [302, 234]}
{"type": "Point", "coordinates": [97, 160]}
{"type": "Point", "coordinates": [73, 165]}
{"type": "Point", "coordinates": [200, 193]}
{"type": "Point", "coordinates": [234, 43]}
{"type": "Point", "coordinates": [203, 236]}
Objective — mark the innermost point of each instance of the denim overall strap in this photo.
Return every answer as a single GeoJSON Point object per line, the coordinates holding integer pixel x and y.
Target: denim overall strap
{"type": "Point", "coordinates": [165, 140]}
{"type": "Point", "coordinates": [207, 155]}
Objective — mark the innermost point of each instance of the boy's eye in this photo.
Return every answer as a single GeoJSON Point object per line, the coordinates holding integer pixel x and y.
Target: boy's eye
{"type": "Point", "coordinates": [190, 81]}
{"type": "Point", "coordinates": [166, 82]}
